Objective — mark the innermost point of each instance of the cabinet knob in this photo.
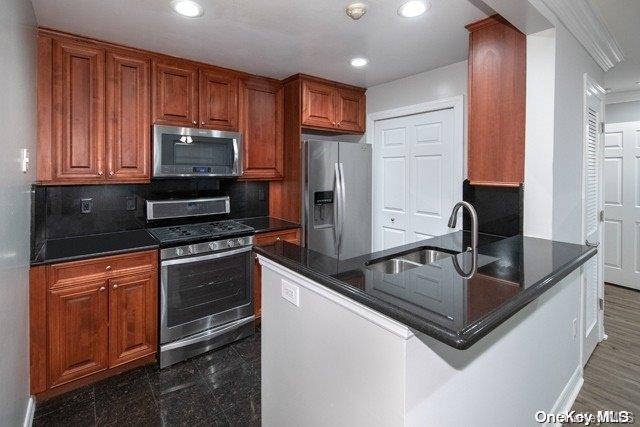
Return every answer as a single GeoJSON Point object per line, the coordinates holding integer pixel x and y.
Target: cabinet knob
{"type": "Point", "coordinates": [195, 123]}
{"type": "Point", "coordinates": [102, 288]}
{"type": "Point", "coordinates": [111, 173]}
{"type": "Point", "coordinates": [108, 267]}
{"type": "Point", "coordinates": [100, 173]}
{"type": "Point", "coordinates": [202, 123]}
{"type": "Point", "coordinates": [115, 286]}
{"type": "Point", "coordinates": [393, 220]}
{"type": "Point", "coordinates": [277, 238]}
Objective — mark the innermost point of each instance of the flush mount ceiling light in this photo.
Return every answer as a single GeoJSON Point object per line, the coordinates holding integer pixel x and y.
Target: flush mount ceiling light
{"type": "Point", "coordinates": [413, 8]}
{"type": "Point", "coordinates": [355, 11]}
{"type": "Point", "coordinates": [188, 8]}
{"type": "Point", "coordinates": [359, 62]}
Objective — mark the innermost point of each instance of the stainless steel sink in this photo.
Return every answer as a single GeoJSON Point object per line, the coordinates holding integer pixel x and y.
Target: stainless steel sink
{"type": "Point", "coordinates": [407, 261]}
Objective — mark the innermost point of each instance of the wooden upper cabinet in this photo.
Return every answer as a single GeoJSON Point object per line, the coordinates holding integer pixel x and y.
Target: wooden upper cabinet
{"type": "Point", "coordinates": [218, 93]}
{"type": "Point", "coordinates": [332, 106]}
{"type": "Point", "coordinates": [128, 127]}
{"type": "Point", "coordinates": [77, 111]}
{"type": "Point", "coordinates": [175, 92]}
{"type": "Point", "coordinates": [497, 74]}
{"type": "Point", "coordinates": [262, 128]}
{"type": "Point", "coordinates": [318, 104]}
{"type": "Point", "coordinates": [132, 317]}
{"type": "Point", "coordinates": [350, 110]}
{"type": "Point", "coordinates": [78, 336]}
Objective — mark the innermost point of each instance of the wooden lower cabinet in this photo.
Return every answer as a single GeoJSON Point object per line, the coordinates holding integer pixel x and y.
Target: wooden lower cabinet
{"type": "Point", "coordinates": [77, 331]}
{"type": "Point", "coordinates": [265, 239]}
{"type": "Point", "coordinates": [97, 319]}
{"type": "Point", "coordinates": [132, 317]}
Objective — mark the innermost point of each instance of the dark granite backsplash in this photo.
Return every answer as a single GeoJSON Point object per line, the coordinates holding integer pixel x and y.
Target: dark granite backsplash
{"type": "Point", "coordinates": [500, 209]}
{"type": "Point", "coordinates": [56, 210]}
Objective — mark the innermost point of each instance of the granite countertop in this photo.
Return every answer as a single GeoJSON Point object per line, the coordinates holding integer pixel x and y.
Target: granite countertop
{"type": "Point", "coordinates": [95, 245]}
{"type": "Point", "coordinates": [263, 224]}
{"type": "Point", "coordinates": [436, 299]}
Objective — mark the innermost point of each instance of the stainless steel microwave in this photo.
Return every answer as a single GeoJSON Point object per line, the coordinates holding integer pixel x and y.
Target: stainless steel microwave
{"type": "Point", "coordinates": [190, 152]}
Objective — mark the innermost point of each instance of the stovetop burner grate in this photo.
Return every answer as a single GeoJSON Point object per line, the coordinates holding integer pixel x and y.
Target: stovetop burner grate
{"type": "Point", "coordinates": [216, 229]}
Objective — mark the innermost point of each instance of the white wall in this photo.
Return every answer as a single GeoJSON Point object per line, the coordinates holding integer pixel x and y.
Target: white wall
{"type": "Point", "coordinates": [539, 138]}
{"type": "Point", "coordinates": [18, 110]}
{"type": "Point", "coordinates": [622, 112]}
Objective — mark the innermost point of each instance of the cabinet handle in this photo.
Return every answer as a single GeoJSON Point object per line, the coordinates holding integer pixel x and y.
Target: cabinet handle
{"type": "Point", "coordinates": [108, 267]}
{"type": "Point", "coordinates": [102, 288]}
{"type": "Point", "coordinates": [115, 286]}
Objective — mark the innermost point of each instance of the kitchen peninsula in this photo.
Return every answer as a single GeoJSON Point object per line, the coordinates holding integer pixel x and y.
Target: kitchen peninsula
{"type": "Point", "coordinates": [414, 344]}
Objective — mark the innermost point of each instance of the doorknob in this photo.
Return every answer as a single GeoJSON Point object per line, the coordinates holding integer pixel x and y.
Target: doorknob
{"type": "Point", "coordinates": [591, 244]}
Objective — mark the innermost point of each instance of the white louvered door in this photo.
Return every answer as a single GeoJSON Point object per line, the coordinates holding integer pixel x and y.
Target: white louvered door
{"type": "Point", "coordinates": [592, 289]}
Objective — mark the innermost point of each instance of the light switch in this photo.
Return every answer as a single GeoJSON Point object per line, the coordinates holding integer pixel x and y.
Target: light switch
{"type": "Point", "coordinates": [291, 293]}
{"type": "Point", "coordinates": [24, 160]}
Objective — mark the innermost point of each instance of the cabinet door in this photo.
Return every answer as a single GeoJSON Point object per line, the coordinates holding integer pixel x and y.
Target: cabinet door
{"type": "Point", "coordinates": [128, 124]}
{"type": "Point", "coordinates": [218, 100]}
{"type": "Point", "coordinates": [78, 111]}
{"type": "Point", "coordinates": [175, 93]}
{"type": "Point", "coordinates": [262, 126]}
{"type": "Point", "coordinates": [132, 317]}
{"type": "Point", "coordinates": [350, 110]}
{"type": "Point", "coordinates": [318, 104]}
{"type": "Point", "coordinates": [77, 331]}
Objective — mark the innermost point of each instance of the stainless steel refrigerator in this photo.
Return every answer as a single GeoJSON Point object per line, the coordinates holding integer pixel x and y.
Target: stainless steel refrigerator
{"type": "Point", "coordinates": [336, 193]}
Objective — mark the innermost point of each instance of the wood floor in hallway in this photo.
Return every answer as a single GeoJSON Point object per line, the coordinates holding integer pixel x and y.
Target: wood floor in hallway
{"type": "Point", "coordinates": [612, 375]}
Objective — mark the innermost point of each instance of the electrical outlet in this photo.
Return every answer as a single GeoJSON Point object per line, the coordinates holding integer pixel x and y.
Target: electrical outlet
{"type": "Point", "coordinates": [131, 203]}
{"type": "Point", "coordinates": [86, 205]}
{"type": "Point", "coordinates": [291, 293]}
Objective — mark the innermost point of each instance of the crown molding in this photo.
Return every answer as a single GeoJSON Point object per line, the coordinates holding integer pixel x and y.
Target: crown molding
{"type": "Point", "coordinates": [585, 22]}
{"type": "Point", "coordinates": [618, 97]}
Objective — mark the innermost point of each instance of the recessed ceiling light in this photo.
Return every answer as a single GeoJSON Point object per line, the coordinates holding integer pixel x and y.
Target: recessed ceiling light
{"type": "Point", "coordinates": [359, 62]}
{"type": "Point", "coordinates": [413, 8]}
{"type": "Point", "coordinates": [355, 11]}
{"type": "Point", "coordinates": [188, 8]}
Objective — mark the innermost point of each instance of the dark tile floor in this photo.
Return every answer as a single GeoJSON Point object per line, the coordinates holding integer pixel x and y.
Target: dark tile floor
{"type": "Point", "coordinates": [221, 387]}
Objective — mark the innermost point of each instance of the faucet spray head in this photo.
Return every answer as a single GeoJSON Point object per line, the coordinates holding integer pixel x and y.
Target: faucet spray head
{"type": "Point", "coordinates": [453, 219]}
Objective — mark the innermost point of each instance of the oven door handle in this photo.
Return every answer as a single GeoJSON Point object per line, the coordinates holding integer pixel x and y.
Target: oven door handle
{"type": "Point", "coordinates": [205, 257]}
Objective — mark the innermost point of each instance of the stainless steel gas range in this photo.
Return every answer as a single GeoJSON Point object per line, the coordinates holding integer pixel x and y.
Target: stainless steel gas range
{"type": "Point", "coordinates": [206, 295]}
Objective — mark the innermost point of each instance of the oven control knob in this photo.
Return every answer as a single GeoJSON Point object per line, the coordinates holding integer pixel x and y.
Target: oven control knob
{"type": "Point", "coordinates": [230, 243]}
{"type": "Point", "coordinates": [179, 251]}
{"type": "Point", "coordinates": [212, 246]}
{"type": "Point", "coordinates": [240, 242]}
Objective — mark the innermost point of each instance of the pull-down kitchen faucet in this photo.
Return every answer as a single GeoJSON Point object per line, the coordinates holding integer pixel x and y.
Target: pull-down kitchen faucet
{"type": "Point", "coordinates": [453, 219]}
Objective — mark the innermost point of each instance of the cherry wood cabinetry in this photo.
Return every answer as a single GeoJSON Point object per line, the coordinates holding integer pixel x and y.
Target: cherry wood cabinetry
{"type": "Point", "coordinates": [132, 316]}
{"type": "Point", "coordinates": [262, 126]}
{"type": "Point", "coordinates": [265, 239]}
{"type": "Point", "coordinates": [78, 110]}
{"type": "Point", "coordinates": [77, 330]}
{"type": "Point", "coordinates": [175, 92]}
{"type": "Point", "coordinates": [89, 317]}
{"type": "Point", "coordinates": [93, 112]}
{"type": "Point", "coordinates": [218, 99]}
{"type": "Point", "coordinates": [497, 72]}
{"type": "Point", "coordinates": [127, 100]}
{"type": "Point", "coordinates": [333, 106]}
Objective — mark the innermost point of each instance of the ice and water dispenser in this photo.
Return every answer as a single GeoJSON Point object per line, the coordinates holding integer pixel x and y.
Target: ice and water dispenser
{"type": "Point", "coordinates": [322, 209]}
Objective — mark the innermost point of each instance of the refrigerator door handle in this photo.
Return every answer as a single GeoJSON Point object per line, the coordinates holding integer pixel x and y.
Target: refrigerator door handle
{"type": "Point", "coordinates": [342, 207]}
{"type": "Point", "coordinates": [336, 208]}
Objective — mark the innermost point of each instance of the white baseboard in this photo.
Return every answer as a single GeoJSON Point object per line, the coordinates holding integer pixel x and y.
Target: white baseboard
{"type": "Point", "coordinates": [569, 393]}
{"type": "Point", "coordinates": [31, 410]}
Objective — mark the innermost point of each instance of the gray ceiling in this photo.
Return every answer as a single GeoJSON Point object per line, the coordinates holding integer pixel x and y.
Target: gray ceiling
{"type": "Point", "coordinates": [277, 38]}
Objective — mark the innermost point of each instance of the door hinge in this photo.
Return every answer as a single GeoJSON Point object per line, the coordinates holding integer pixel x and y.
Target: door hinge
{"type": "Point", "coordinates": [601, 127]}
{"type": "Point", "coordinates": [601, 303]}
{"type": "Point", "coordinates": [601, 216]}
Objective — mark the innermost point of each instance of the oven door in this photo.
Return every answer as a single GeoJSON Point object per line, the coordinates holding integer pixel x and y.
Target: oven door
{"type": "Point", "coordinates": [202, 292]}
{"type": "Point", "coordinates": [184, 152]}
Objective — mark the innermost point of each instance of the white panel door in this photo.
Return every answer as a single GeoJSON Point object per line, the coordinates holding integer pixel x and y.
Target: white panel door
{"type": "Point", "coordinates": [622, 204]}
{"type": "Point", "coordinates": [592, 281]}
{"type": "Point", "coordinates": [414, 177]}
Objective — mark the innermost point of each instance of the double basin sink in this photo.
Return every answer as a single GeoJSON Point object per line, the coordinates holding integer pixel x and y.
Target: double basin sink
{"type": "Point", "coordinates": [401, 262]}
